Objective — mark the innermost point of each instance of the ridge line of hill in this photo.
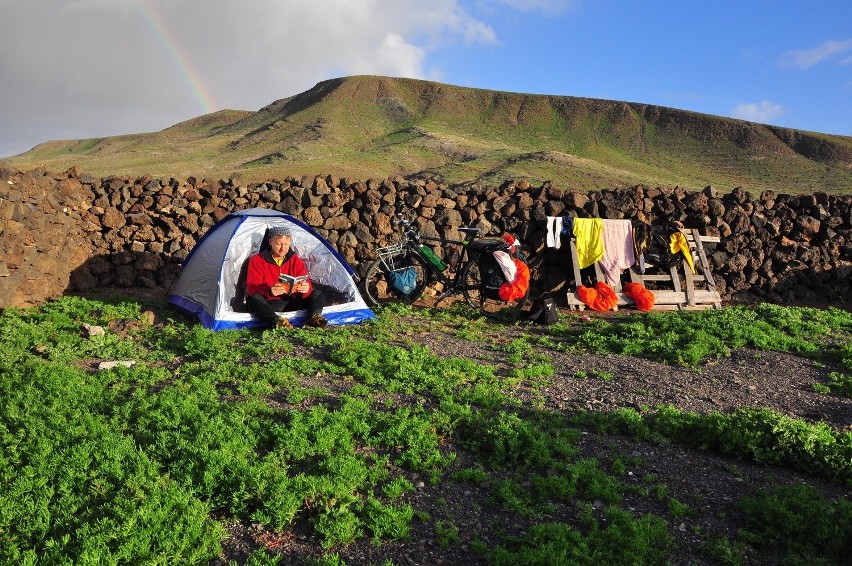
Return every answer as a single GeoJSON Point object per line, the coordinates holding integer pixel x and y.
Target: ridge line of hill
{"type": "Point", "coordinates": [371, 126]}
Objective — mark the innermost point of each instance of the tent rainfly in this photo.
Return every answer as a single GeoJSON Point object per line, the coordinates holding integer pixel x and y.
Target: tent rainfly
{"type": "Point", "coordinates": [211, 284]}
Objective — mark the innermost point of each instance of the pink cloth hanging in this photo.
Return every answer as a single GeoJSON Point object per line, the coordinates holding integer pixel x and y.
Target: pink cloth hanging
{"type": "Point", "coordinates": [618, 249]}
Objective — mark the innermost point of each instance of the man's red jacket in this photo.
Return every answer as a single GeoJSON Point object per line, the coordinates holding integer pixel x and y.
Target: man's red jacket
{"type": "Point", "coordinates": [263, 274]}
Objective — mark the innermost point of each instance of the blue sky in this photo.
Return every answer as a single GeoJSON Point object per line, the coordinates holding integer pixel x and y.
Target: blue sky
{"type": "Point", "coordinates": [87, 68]}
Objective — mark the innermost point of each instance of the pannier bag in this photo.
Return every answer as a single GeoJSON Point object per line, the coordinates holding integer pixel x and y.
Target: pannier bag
{"type": "Point", "coordinates": [543, 311]}
{"type": "Point", "coordinates": [490, 275]}
{"type": "Point", "coordinates": [404, 280]}
{"type": "Point", "coordinates": [516, 288]}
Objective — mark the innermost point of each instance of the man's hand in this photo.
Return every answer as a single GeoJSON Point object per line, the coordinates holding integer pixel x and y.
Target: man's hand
{"type": "Point", "coordinates": [302, 287]}
{"type": "Point", "coordinates": [279, 289]}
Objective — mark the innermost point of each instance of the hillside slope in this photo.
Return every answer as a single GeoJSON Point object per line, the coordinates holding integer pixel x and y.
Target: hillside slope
{"type": "Point", "coordinates": [367, 126]}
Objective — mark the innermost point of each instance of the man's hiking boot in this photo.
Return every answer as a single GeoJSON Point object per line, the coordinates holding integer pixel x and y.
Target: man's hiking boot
{"type": "Point", "coordinates": [317, 321]}
{"type": "Point", "coordinates": [283, 322]}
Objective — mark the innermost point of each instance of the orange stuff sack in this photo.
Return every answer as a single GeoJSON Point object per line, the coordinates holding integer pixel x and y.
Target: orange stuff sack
{"type": "Point", "coordinates": [607, 299]}
{"type": "Point", "coordinates": [517, 288]}
{"type": "Point", "coordinates": [588, 295]}
{"type": "Point", "coordinates": [643, 298]}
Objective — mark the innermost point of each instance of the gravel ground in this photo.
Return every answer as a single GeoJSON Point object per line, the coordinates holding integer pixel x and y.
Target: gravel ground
{"type": "Point", "coordinates": [709, 484]}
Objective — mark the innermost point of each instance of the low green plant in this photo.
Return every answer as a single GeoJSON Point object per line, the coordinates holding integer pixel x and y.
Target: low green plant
{"type": "Point", "coordinates": [688, 337]}
{"type": "Point", "coordinates": [725, 551]}
{"type": "Point", "coordinates": [620, 539]}
{"type": "Point", "coordinates": [810, 529]}
{"type": "Point", "coordinates": [761, 435]}
{"type": "Point", "coordinates": [448, 534]}
{"type": "Point", "coordinates": [602, 375]}
{"type": "Point", "coordinates": [474, 475]}
{"type": "Point", "coordinates": [397, 487]}
{"type": "Point", "coordinates": [322, 429]}
{"type": "Point", "coordinates": [839, 384]}
{"type": "Point", "coordinates": [678, 508]}
{"type": "Point", "coordinates": [387, 521]}
{"type": "Point", "coordinates": [259, 557]}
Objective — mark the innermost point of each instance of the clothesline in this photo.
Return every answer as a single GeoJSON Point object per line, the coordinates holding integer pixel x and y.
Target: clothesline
{"type": "Point", "coordinates": [610, 242]}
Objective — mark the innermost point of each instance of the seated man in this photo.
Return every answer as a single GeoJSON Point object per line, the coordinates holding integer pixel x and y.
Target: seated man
{"type": "Point", "coordinates": [267, 295]}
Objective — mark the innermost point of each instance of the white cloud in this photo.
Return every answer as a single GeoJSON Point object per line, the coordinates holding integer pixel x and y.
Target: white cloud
{"type": "Point", "coordinates": [394, 56]}
{"type": "Point", "coordinates": [807, 58]}
{"type": "Point", "coordinates": [105, 67]}
{"type": "Point", "coordinates": [762, 112]}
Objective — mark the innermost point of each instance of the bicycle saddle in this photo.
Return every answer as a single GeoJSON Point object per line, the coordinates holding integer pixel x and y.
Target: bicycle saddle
{"type": "Point", "coordinates": [469, 229]}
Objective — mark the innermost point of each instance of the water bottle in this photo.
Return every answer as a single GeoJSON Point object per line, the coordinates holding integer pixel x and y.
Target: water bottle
{"type": "Point", "coordinates": [432, 258]}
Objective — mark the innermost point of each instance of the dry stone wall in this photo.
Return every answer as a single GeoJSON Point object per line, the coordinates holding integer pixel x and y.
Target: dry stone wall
{"type": "Point", "coordinates": [73, 232]}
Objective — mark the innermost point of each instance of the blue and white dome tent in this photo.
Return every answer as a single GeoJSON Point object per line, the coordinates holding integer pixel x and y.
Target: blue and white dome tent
{"type": "Point", "coordinates": [211, 284]}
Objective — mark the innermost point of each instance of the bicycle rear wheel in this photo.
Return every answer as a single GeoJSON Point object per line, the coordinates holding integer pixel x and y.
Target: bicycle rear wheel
{"type": "Point", "coordinates": [487, 299]}
{"type": "Point", "coordinates": [378, 288]}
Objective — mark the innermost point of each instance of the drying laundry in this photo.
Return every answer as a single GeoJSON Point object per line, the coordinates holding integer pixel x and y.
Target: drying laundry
{"type": "Point", "coordinates": [554, 232]}
{"type": "Point", "coordinates": [618, 252]}
{"type": "Point", "coordinates": [518, 286]}
{"type": "Point", "coordinates": [643, 298]}
{"type": "Point", "coordinates": [506, 263]}
{"type": "Point", "coordinates": [567, 226]}
{"type": "Point", "coordinates": [678, 244]}
{"type": "Point", "coordinates": [589, 235]}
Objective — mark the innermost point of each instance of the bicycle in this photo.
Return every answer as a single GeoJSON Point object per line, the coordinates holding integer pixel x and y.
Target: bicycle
{"type": "Point", "coordinates": [467, 273]}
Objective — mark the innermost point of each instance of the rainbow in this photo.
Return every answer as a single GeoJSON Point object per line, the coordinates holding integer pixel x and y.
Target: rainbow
{"type": "Point", "coordinates": [173, 48]}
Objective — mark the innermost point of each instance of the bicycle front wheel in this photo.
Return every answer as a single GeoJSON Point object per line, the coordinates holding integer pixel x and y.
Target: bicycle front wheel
{"type": "Point", "coordinates": [485, 298]}
{"type": "Point", "coordinates": [378, 284]}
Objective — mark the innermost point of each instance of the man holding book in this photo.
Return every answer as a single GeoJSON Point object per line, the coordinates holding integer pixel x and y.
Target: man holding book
{"type": "Point", "coordinates": [277, 281]}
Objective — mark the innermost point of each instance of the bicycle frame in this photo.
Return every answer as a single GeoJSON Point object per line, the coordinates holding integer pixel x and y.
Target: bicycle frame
{"type": "Point", "coordinates": [452, 284]}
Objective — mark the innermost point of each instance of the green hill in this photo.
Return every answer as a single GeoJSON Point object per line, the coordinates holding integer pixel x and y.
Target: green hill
{"type": "Point", "coordinates": [367, 126]}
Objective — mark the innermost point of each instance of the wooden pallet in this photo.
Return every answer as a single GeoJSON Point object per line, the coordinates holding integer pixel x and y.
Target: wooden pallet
{"type": "Point", "coordinates": [687, 291]}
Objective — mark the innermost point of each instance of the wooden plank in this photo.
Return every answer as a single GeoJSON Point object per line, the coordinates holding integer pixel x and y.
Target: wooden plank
{"type": "Point", "coordinates": [661, 298]}
{"type": "Point", "coordinates": [700, 256]}
{"type": "Point", "coordinates": [675, 279]}
{"type": "Point", "coordinates": [689, 278]}
{"type": "Point", "coordinates": [578, 280]}
{"type": "Point", "coordinates": [705, 264]}
{"type": "Point", "coordinates": [635, 275]}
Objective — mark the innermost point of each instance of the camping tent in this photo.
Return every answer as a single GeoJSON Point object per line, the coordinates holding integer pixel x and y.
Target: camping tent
{"type": "Point", "coordinates": [212, 281]}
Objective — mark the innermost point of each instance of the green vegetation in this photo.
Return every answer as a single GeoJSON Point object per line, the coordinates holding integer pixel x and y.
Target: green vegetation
{"type": "Point", "coordinates": [809, 529]}
{"type": "Point", "coordinates": [839, 384]}
{"type": "Point", "coordinates": [322, 431]}
{"type": "Point", "coordinates": [362, 127]}
{"type": "Point", "coordinates": [688, 337]}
